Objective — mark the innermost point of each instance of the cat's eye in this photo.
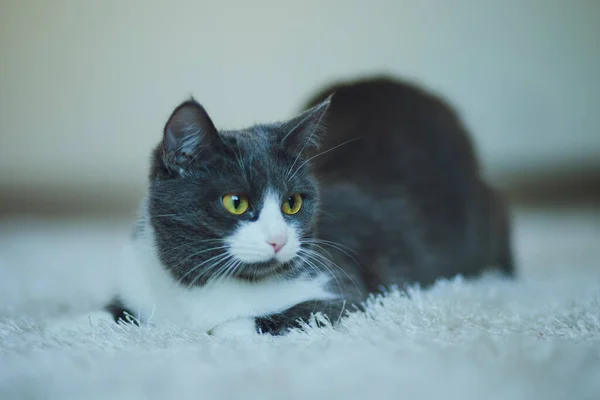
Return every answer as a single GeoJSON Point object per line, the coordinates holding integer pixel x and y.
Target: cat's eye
{"type": "Point", "coordinates": [292, 205]}
{"type": "Point", "coordinates": [236, 203]}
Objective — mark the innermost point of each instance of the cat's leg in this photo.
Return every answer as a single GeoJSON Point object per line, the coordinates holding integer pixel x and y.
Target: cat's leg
{"type": "Point", "coordinates": [279, 324]}
{"type": "Point", "coordinates": [500, 234]}
{"type": "Point", "coordinates": [120, 313]}
{"type": "Point", "coordinates": [115, 311]}
{"type": "Point", "coordinates": [236, 327]}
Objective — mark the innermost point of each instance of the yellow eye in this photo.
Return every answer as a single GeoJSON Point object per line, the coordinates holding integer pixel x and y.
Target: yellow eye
{"type": "Point", "coordinates": [235, 203]}
{"type": "Point", "coordinates": [292, 205]}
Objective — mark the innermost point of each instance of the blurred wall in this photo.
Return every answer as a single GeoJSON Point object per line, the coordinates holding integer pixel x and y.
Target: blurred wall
{"type": "Point", "coordinates": [86, 86]}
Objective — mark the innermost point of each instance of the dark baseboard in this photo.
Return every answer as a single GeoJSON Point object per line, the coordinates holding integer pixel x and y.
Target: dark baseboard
{"type": "Point", "coordinates": [566, 189]}
{"type": "Point", "coordinates": [69, 202]}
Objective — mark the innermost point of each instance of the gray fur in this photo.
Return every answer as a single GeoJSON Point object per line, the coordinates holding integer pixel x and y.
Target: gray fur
{"type": "Point", "coordinates": [408, 197]}
{"type": "Point", "coordinates": [401, 198]}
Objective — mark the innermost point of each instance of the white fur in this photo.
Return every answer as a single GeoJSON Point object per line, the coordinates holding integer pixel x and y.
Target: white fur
{"type": "Point", "coordinates": [250, 243]}
{"type": "Point", "coordinates": [534, 338]}
{"type": "Point", "coordinates": [89, 320]}
{"type": "Point", "coordinates": [153, 294]}
{"type": "Point", "coordinates": [236, 327]}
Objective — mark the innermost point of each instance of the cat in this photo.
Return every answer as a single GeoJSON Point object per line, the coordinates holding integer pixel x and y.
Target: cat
{"type": "Point", "coordinates": [375, 184]}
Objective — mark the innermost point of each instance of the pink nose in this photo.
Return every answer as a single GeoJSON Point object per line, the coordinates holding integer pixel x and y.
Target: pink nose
{"type": "Point", "coordinates": [277, 243]}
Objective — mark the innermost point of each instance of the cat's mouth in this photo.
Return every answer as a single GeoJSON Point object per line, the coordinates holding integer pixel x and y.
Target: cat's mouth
{"type": "Point", "coordinates": [262, 270]}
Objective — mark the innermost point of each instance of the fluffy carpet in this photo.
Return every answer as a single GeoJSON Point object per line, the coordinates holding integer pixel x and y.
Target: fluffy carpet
{"type": "Point", "coordinates": [534, 338]}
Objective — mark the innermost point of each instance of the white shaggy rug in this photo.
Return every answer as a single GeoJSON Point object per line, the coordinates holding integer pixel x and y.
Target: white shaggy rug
{"type": "Point", "coordinates": [534, 338]}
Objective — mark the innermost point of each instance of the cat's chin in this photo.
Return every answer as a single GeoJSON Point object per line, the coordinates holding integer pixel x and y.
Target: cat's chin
{"type": "Point", "coordinates": [263, 270]}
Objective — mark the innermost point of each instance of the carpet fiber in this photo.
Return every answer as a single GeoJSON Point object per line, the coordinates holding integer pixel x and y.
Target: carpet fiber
{"type": "Point", "coordinates": [534, 338]}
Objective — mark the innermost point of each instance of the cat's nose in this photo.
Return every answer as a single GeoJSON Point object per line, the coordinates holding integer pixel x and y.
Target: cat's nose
{"type": "Point", "coordinates": [277, 242]}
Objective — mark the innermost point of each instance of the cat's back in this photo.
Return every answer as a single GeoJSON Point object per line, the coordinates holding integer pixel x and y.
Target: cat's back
{"type": "Point", "coordinates": [397, 130]}
{"type": "Point", "coordinates": [401, 186]}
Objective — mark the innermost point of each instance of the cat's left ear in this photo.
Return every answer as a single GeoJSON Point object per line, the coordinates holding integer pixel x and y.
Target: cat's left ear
{"type": "Point", "coordinates": [303, 132]}
{"type": "Point", "coordinates": [187, 133]}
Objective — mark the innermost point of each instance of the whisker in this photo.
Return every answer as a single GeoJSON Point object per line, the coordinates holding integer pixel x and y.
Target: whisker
{"type": "Point", "coordinates": [188, 244]}
{"type": "Point", "coordinates": [317, 125]}
{"type": "Point", "coordinates": [180, 263]}
{"type": "Point", "coordinates": [331, 261]}
{"type": "Point", "coordinates": [211, 267]}
{"type": "Point", "coordinates": [329, 242]}
{"type": "Point", "coordinates": [322, 249]}
{"type": "Point", "coordinates": [232, 271]}
{"type": "Point", "coordinates": [222, 271]}
{"type": "Point", "coordinates": [167, 215]}
{"type": "Point", "coordinates": [333, 275]}
{"type": "Point", "coordinates": [218, 256]}
{"type": "Point", "coordinates": [320, 154]}
{"type": "Point", "coordinates": [218, 275]}
{"type": "Point", "coordinates": [302, 263]}
{"type": "Point", "coordinates": [318, 255]}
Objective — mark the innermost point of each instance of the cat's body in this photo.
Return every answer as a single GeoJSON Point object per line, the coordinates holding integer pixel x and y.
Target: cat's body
{"type": "Point", "coordinates": [407, 195]}
{"type": "Point", "coordinates": [235, 236]}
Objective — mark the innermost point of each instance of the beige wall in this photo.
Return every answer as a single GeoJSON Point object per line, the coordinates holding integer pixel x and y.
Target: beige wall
{"type": "Point", "coordinates": [85, 86]}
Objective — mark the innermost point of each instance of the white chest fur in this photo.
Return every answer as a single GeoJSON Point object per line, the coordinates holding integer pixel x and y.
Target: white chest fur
{"type": "Point", "coordinates": [152, 294]}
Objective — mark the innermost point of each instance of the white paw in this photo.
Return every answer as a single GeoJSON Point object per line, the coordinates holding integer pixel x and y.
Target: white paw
{"type": "Point", "coordinates": [235, 327]}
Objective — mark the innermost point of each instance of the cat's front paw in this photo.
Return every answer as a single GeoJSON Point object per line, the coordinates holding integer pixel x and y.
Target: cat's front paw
{"type": "Point", "coordinates": [235, 328]}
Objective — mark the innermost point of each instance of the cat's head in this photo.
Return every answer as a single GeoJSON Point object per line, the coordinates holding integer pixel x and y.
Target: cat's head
{"type": "Point", "coordinates": [233, 203]}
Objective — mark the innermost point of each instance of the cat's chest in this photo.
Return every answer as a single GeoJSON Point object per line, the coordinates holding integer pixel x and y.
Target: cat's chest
{"type": "Point", "coordinates": [152, 294]}
{"type": "Point", "coordinates": [232, 299]}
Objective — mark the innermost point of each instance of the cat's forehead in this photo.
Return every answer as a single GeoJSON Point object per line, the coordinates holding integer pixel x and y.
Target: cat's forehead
{"type": "Point", "coordinates": [255, 156]}
{"type": "Point", "coordinates": [254, 146]}
{"type": "Point", "coordinates": [256, 138]}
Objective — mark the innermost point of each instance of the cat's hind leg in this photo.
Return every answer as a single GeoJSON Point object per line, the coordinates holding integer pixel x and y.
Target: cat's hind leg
{"type": "Point", "coordinates": [501, 255]}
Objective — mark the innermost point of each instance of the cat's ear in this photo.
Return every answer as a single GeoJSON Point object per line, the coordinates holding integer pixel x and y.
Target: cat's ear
{"type": "Point", "coordinates": [303, 131]}
{"type": "Point", "coordinates": [187, 132]}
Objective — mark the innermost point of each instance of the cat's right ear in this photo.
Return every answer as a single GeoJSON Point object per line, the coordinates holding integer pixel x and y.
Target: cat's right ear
{"type": "Point", "coordinates": [188, 131]}
{"type": "Point", "coordinates": [303, 131]}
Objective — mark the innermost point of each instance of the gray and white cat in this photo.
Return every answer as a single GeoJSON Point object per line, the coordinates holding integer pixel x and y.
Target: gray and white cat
{"type": "Point", "coordinates": [237, 237]}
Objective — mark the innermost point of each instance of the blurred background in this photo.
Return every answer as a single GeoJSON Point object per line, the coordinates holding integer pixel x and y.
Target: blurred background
{"type": "Point", "coordinates": [86, 86]}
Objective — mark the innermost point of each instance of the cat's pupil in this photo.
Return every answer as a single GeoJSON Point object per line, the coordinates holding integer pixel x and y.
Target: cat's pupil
{"type": "Point", "coordinates": [291, 202]}
{"type": "Point", "coordinates": [236, 201]}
